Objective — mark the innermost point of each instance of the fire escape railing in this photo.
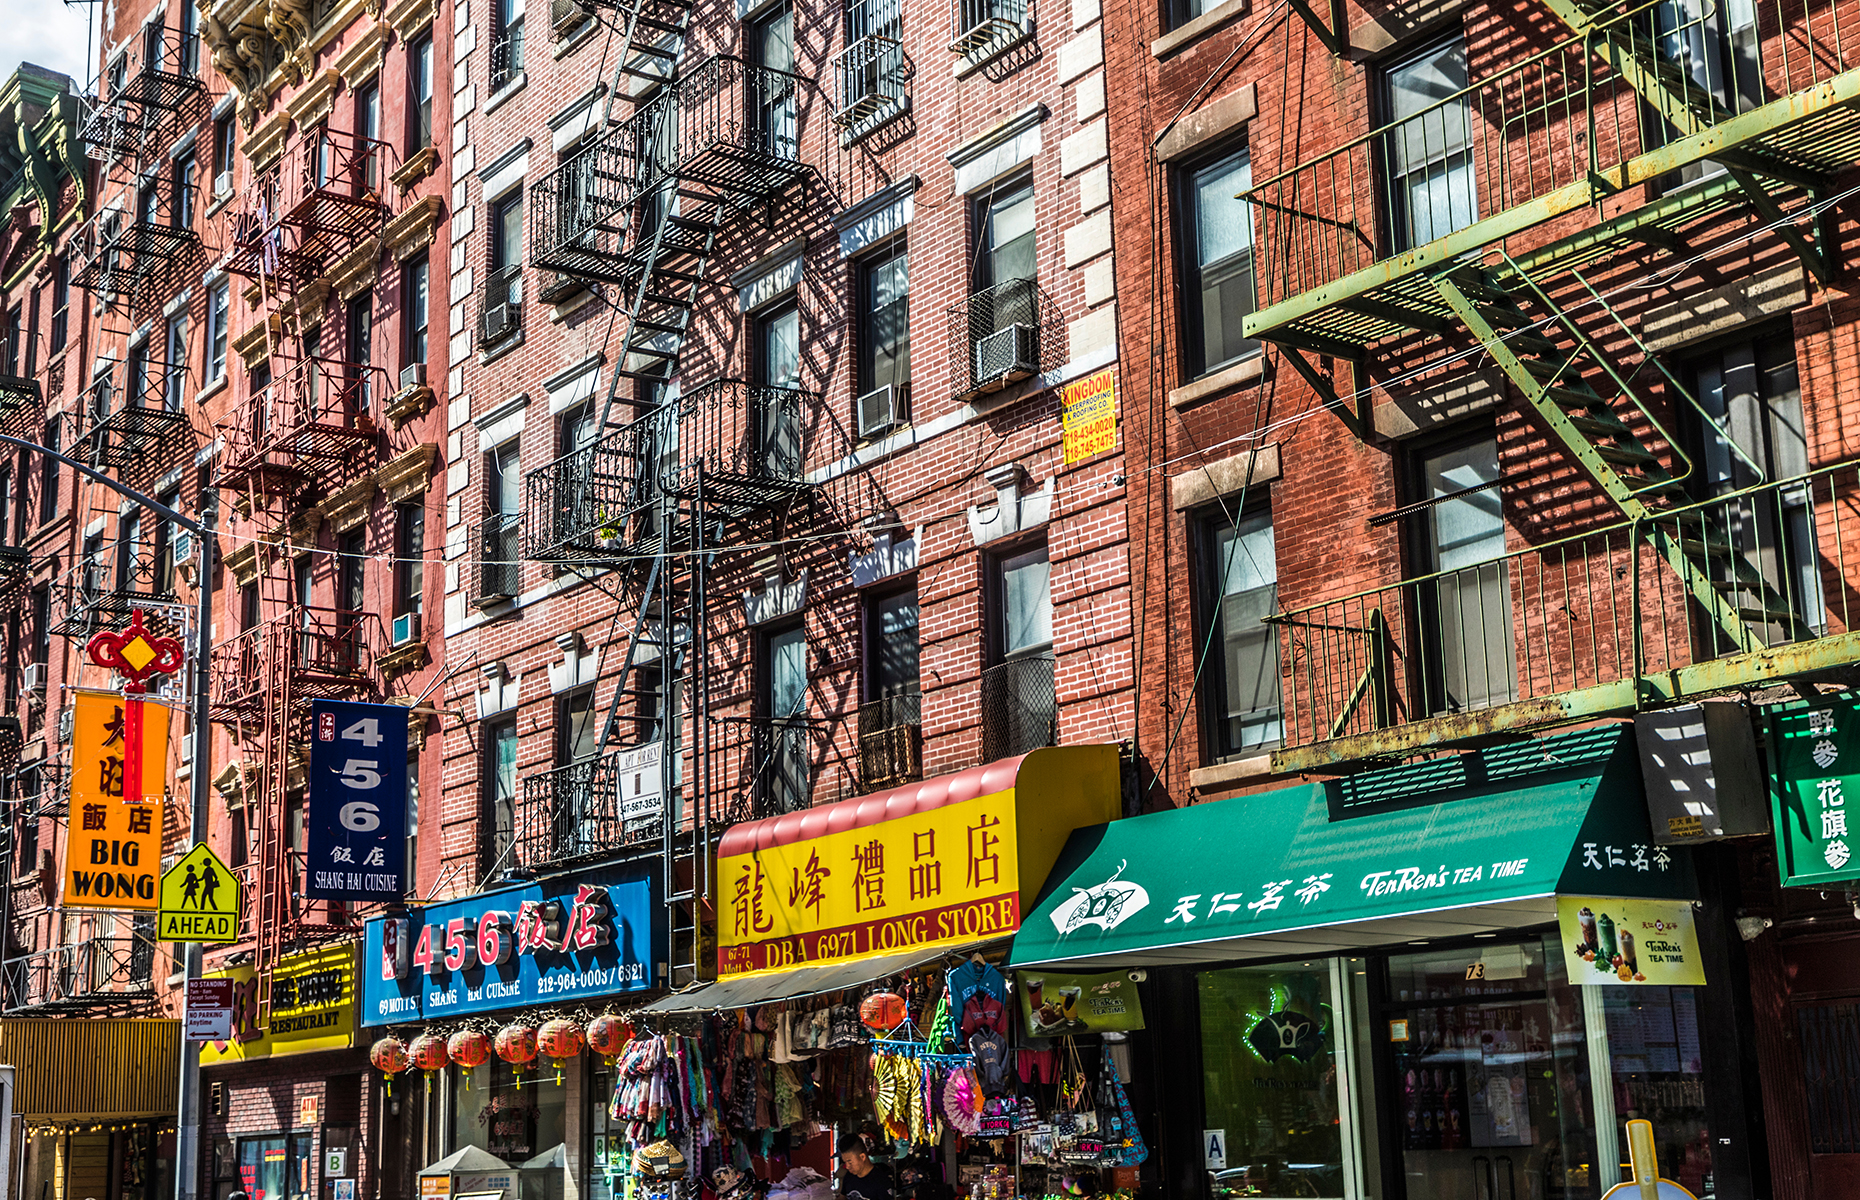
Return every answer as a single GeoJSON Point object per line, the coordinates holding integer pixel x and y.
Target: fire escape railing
{"type": "Point", "coordinates": [584, 809]}
{"type": "Point", "coordinates": [137, 418]}
{"type": "Point", "coordinates": [329, 652]}
{"type": "Point", "coordinates": [498, 573]}
{"type": "Point", "coordinates": [324, 196]}
{"type": "Point", "coordinates": [155, 82]}
{"type": "Point", "coordinates": [891, 741]}
{"type": "Point", "coordinates": [107, 589]}
{"type": "Point", "coordinates": [317, 417]}
{"type": "Point", "coordinates": [94, 975]}
{"type": "Point", "coordinates": [766, 766]}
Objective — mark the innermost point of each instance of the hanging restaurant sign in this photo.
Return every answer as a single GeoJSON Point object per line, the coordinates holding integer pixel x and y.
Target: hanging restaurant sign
{"type": "Point", "coordinates": [949, 860]}
{"type": "Point", "coordinates": [576, 937]}
{"type": "Point", "coordinates": [358, 802]}
{"type": "Point", "coordinates": [1815, 763]}
{"type": "Point", "coordinates": [113, 856]}
{"type": "Point", "coordinates": [312, 1007]}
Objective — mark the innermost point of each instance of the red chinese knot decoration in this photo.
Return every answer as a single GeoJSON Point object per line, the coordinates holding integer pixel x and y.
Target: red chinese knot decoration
{"type": "Point", "coordinates": [429, 1053]}
{"type": "Point", "coordinates": [607, 1034]}
{"type": "Point", "coordinates": [135, 654]}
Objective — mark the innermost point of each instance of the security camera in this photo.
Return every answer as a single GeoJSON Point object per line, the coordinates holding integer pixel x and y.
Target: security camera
{"type": "Point", "coordinates": [1139, 975]}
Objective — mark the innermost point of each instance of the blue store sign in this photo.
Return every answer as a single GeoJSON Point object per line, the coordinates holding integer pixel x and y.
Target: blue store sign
{"type": "Point", "coordinates": [574, 938]}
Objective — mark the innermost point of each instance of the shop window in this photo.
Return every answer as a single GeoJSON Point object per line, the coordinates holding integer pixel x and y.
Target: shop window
{"type": "Point", "coordinates": [280, 1167]}
{"type": "Point", "coordinates": [1465, 609]}
{"type": "Point", "coordinates": [510, 1121]}
{"type": "Point", "coordinates": [1240, 589]}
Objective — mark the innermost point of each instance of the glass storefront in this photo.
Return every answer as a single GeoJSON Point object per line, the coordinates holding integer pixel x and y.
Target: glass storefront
{"type": "Point", "coordinates": [515, 1117]}
{"type": "Point", "coordinates": [278, 1167]}
{"type": "Point", "coordinates": [1465, 1072]}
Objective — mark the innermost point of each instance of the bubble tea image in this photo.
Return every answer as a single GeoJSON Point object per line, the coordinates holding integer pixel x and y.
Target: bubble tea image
{"type": "Point", "coordinates": [1605, 949]}
{"type": "Point", "coordinates": [1630, 966]}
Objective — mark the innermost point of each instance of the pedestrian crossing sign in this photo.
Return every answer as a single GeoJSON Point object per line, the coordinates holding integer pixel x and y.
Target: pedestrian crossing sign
{"type": "Point", "coordinates": [199, 900]}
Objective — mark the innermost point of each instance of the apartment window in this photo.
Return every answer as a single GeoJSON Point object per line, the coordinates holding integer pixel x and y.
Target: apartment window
{"type": "Point", "coordinates": [15, 338]}
{"type": "Point", "coordinates": [304, 581]}
{"type": "Point", "coordinates": [61, 302]}
{"type": "Point", "coordinates": [154, 53]}
{"type": "Point", "coordinates": [885, 330]}
{"type": "Point", "coordinates": [9, 500]}
{"type": "Point", "coordinates": [131, 568]}
{"type": "Point", "coordinates": [1005, 236]}
{"type": "Point", "coordinates": [1217, 246]}
{"type": "Point", "coordinates": [223, 146]}
{"type": "Point", "coordinates": [414, 275]}
{"type": "Point", "coordinates": [12, 658]}
{"type": "Point", "coordinates": [500, 792]}
{"type": "Point", "coordinates": [368, 129]}
{"type": "Point", "coordinates": [165, 534]}
{"type": "Point", "coordinates": [1019, 707]}
{"type": "Point", "coordinates": [351, 564]}
{"type": "Point", "coordinates": [186, 188]}
{"type": "Point", "coordinates": [42, 624]}
{"type": "Point", "coordinates": [174, 368]}
{"type": "Point", "coordinates": [410, 567]}
{"type": "Point", "coordinates": [507, 248]}
{"type": "Point", "coordinates": [782, 755]}
{"type": "Point", "coordinates": [1239, 588]}
{"type": "Point", "coordinates": [119, 74]}
{"type": "Point", "coordinates": [1429, 146]}
{"type": "Point", "coordinates": [1751, 392]}
{"type": "Point", "coordinates": [148, 202]}
{"type": "Point", "coordinates": [577, 734]}
{"type": "Point", "coordinates": [217, 302]}
{"type": "Point", "coordinates": [358, 348]}
{"type": "Point", "coordinates": [577, 428]}
{"type": "Point", "coordinates": [506, 42]}
{"type": "Point", "coordinates": [891, 645]}
{"type": "Point", "coordinates": [48, 471]}
{"type": "Point", "coordinates": [778, 365]}
{"type": "Point", "coordinates": [771, 41]}
{"type": "Point", "coordinates": [420, 83]}
{"type": "Point", "coordinates": [190, 39]}
{"type": "Point", "coordinates": [1465, 623]}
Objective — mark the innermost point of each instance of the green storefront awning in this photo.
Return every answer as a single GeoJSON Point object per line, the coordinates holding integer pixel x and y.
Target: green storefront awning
{"type": "Point", "coordinates": [1467, 845]}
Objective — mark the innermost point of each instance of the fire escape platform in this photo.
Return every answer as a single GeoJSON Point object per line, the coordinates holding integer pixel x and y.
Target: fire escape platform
{"type": "Point", "coordinates": [1813, 134]}
{"type": "Point", "coordinates": [138, 252]}
{"type": "Point", "coordinates": [1763, 667]}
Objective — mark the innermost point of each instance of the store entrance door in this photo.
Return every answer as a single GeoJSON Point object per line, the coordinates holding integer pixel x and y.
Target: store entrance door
{"type": "Point", "coordinates": [1490, 1095]}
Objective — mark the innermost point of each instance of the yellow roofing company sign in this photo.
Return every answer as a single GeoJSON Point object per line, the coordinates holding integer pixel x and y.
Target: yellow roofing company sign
{"type": "Point", "coordinates": [313, 1007]}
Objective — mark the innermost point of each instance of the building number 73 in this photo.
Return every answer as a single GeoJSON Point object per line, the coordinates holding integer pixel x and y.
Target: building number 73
{"type": "Point", "coordinates": [361, 773]}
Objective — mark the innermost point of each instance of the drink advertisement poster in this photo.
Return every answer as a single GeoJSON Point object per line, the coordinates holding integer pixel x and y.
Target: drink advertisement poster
{"type": "Point", "coordinates": [358, 802]}
{"type": "Point", "coordinates": [1056, 1005]}
{"type": "Point", "coordinates": [1608, 940]}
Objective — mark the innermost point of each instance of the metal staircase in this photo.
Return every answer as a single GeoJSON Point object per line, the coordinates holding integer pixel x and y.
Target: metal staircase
{"type": "Point", "coordinates": [1556, 366]}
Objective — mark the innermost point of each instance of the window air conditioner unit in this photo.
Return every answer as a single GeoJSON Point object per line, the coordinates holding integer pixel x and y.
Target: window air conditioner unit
{"type": "Point", "coordinates": [882, 408]}
{"type": "Point", "coordinates": [1005, 356]}
{"type": "Point", "coordinates": [496, 322]}
{"type": "Point", "coordinates": [891, 755]}
{"type": "Point", "coordinates": [65, 718]}
{"type": "Point", "coordinates": [406, 628]}
{"type": "Point", "coordinates": [32, 679]}
{"type": "Point", "coordinates": [222, 184]}
{"type": "Point", "coordinates": [413, 375]}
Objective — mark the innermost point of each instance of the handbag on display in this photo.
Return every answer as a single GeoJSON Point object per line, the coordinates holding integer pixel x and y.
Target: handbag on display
{"type": "Point", "coordinates": [660, 1160]}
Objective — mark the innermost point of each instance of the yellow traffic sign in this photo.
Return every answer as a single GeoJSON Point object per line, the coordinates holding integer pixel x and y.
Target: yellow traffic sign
{"type": "Point", "coordinates": [199, 900]}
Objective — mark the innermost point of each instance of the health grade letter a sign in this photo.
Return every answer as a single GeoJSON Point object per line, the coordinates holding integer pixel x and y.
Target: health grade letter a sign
{"type": "Point", "coordinates": [1815, 792]}
{"type": "Point", "coordinates": [358, 801]}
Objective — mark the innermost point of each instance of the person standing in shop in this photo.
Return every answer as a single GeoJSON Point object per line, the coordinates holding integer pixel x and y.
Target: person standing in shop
{"type": "Point", "coordinates": [860, 1177]}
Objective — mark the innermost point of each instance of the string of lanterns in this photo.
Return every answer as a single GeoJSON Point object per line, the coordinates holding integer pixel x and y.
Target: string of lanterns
{"type": "Point", "coordinates": [559, 1040]}
{"type": "Point", "coordinates": [54, 1129]}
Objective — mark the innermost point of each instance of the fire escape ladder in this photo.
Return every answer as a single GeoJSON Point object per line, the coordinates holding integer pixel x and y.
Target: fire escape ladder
{"type": "Point", "coordinates": [1552, 362]}
{"type": "Point", "coordinates": [653, 38]}
{"type": "Point", "coordinates": [666, 276]}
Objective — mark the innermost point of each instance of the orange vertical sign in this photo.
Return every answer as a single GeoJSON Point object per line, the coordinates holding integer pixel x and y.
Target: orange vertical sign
{"type": "Point", "coordinates": [113, 853]}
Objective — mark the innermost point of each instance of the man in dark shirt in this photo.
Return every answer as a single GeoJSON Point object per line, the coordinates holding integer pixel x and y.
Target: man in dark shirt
{"type": "Point", "coordinates": [860, 1177]}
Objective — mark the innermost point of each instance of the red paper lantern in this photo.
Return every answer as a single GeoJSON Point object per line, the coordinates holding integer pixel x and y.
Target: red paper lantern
{"type": "Point", "coordinates": [389, 1055]}
{"type": "Point", "coordinates": [468, 1048]}
{"type": "Point", "coordinates": [516, 1044]}
{"type": "Point", "coordinates": [607, 1034]}
{"type": "Point", "coordinates": [560, 1039]}
{"type": "Point", "coordinates": [882, 1011]}
{"type": "Point", "coordinates": [429, 1053]}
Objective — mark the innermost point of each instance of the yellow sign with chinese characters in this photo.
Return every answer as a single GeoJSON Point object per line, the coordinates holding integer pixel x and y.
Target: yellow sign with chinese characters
{"type": "Point", "coordinates": [113, 856]}
{"type": "Point", "coordinates": [952, 873]}
{"type": "Point", "coordinates": [1609, 940]}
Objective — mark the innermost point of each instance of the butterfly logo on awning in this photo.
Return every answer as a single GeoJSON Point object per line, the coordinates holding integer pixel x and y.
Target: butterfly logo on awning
{"type": "Point", "coordinates": [1107, 905]}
